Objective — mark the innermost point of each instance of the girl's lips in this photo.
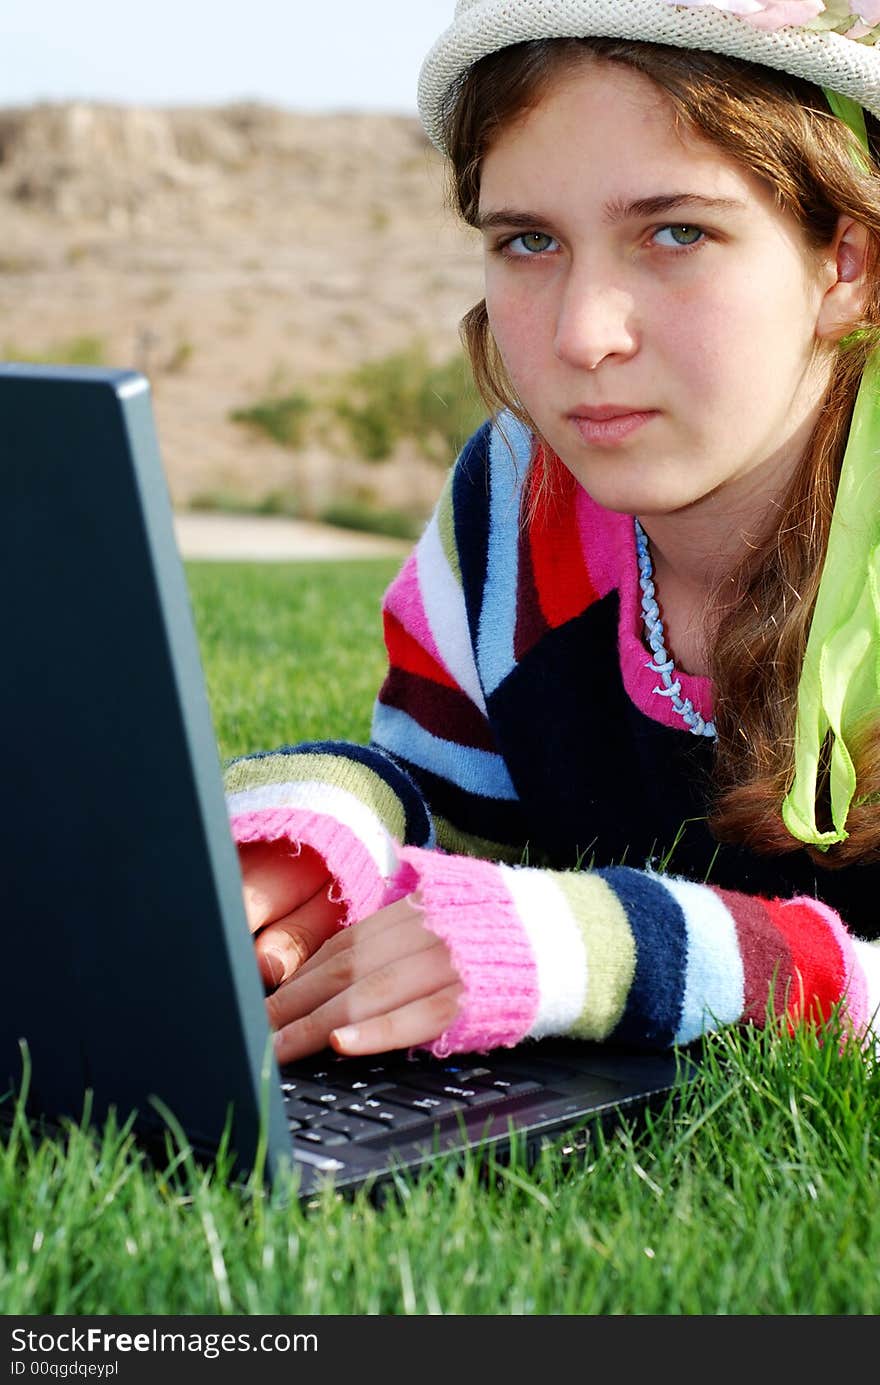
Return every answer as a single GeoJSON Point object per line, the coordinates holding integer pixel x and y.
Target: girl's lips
{"type": "Point", "coordinates": [610, 430]}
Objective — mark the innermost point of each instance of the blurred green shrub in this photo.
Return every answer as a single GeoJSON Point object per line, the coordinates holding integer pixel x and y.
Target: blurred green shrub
{"type": "Point", "coordinates": [282, 419]}
{"type": "Point", "coordinates": [403, 395]}
{"type": "Point", "coordinates": [350, 514]}
{"type": "Point", "coordinates": [406, 395]}
{"type": "Point", "coordinates": [84, 350]}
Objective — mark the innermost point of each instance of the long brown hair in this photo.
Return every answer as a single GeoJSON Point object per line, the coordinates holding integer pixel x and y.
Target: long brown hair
{"type": "Point", "coordinates": [781, 128]}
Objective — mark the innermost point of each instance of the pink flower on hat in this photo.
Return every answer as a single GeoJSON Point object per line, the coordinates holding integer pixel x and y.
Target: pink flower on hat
{"type": "Point", "coordinates": [763, 14]}
{"type": "Point", "coordinates": [780, 14]}
{"type": "Point", "coordinates": [856, 19]}
{"type": "Point", "coordinates": [868, 12]}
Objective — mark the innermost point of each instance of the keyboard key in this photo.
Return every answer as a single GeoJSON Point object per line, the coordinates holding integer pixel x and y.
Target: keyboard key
{"type": "Point", "coordinates": [326, 1138]}
{"type": "Point", "coordinates": [313, 1069]}
{"type": "Point", "coordinates": [509, 1086]}
{"type": "Point", "coordinates": [539, 1071]}
{"type": "Point", "coordinates": [353, 1084]}
{"type": "Point", "coordinates": [324, 1099]}
{"type": "Point", "coordinates": [477, 1095]}
{"type": "Point", "coordinates": [465, 1074]}
{"type": "Point", "coordinates": [352, 1127]}
{"type": "Point", "coordinates": [433, 1106]}
{"type": "Point", "coordinates": [301, 1089]}
{"type": "Point", "coordinates": [472, 1094]}
{"type": "Point", "coordinates": [289, 1087]}
{"type": "Point", "coordinates": [301, 1111]}
{"type": "Point", "coordinates": [391, 1117]}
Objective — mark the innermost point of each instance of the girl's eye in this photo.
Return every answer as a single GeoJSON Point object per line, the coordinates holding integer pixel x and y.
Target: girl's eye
{"type": "Point", "coordinates": [529, 243]}
{"type": "Point", "coordinates": [690, 234]}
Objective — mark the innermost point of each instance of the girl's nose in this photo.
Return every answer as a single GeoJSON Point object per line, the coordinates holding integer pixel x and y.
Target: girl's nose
{"type": "Point", "coordinates": [594, 321]}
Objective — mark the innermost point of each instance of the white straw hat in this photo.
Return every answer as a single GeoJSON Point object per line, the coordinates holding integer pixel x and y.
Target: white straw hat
{"type": "Point", "coordinates": [827, 58]}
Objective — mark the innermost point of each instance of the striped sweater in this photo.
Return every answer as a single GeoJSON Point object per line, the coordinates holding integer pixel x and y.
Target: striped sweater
{"type": "Point", "coordinates": [548, 805]}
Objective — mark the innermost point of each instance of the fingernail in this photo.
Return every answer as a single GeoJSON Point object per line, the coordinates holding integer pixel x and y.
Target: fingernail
{"type": "Point", "coordinates": [272, 966]}
{"type": "Point", "coordinates": [345, 1036]}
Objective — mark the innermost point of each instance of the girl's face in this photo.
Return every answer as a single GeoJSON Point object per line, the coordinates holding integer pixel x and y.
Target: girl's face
{"type": "Point", "coordinates": [634, 270]}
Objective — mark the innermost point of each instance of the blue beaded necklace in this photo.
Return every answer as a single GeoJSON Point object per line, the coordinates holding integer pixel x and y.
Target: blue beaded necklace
{"type": "Point", "coordinates": [661, 662]}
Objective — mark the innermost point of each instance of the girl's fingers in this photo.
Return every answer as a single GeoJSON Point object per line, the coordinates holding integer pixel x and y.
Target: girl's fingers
{"type": "Point", "coordinates": [276, 880]}
{"type": "Point", "coordinates": [383, 991]}
{"type": "Point", "coordinates": [282, 947]}
{"type": "Point", "coordinates": [364, 935]}
{"type": "Point", "coordinates": [417, 1023]}
{"type": "Point", "coordinates": [333, 971]}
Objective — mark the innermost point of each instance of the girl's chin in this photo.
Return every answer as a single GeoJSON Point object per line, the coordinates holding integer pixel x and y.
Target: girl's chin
{"type": "Point", "coordinates": [631, 495]}
{"type": "Point", "coordinates": [636, 483]}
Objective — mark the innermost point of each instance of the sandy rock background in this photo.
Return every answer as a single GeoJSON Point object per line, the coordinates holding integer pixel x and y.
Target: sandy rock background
{"type": "Point", "coordinates": [231, 253]}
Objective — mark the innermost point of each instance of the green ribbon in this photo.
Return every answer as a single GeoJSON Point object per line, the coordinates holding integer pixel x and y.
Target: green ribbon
{"type": "Point", "coordinates": [852, 114]}
{"type": "Point", "coordinates": [840, 682]}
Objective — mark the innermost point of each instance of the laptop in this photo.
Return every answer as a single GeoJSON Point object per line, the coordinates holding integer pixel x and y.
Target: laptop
{"type": "Point", "coordinates": [128, 969]}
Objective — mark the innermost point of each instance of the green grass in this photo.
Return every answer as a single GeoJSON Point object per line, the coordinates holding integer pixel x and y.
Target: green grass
{"type": "Point", "coordinates": [291, 651]}
{"type": "Point", "coordinates": [753, 1193]}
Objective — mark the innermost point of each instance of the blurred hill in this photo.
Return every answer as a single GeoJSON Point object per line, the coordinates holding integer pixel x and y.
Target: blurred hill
{"type": "Point", "coordinates": [232, 253]}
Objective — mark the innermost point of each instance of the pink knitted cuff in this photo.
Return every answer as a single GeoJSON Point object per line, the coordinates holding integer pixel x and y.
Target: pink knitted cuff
{"type": "Point", "coordinates": [466, 903]}
{"type": "Point", "coordinates": [358, 883]}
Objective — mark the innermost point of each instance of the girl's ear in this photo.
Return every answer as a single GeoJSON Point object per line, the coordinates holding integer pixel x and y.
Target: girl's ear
{"type": "Point", "coordinates": [845, 298]}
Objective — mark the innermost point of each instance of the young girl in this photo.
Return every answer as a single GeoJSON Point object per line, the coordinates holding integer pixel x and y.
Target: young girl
{"type": "Point", "coordinates": [624, 773]}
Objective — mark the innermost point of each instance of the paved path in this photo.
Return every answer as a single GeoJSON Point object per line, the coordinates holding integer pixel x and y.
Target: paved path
{"type": "Point", "coordinates": [246, 538]}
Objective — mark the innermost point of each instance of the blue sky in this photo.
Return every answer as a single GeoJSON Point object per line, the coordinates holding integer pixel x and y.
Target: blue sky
{"type": "Point", "coordinates": [303, 54]}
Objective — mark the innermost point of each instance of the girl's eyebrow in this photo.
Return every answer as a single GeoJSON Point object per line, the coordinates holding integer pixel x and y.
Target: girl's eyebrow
{"type": "Point", "coordinates": [618, 210]}
{"type": "Point", "coordinates": [614, 211]}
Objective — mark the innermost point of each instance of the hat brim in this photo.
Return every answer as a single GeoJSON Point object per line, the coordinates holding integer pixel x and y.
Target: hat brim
{"type": "Point", "coordinates": [823, 57]}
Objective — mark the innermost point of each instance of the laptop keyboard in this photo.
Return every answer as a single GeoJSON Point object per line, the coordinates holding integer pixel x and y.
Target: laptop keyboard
{"type": "Point", "coordinates": [330, 1104]}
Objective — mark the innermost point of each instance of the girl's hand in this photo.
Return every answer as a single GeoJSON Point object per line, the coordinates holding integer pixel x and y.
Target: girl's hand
{"type": "Point", "coordinates": [285, 899]}
{"type": "Point", "coordinates": [385, 983]}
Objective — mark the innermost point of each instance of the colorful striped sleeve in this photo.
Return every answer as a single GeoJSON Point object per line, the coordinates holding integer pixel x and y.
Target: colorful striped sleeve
{"type": "Point", "coordinates": [630, 956]}
{"type": "Point", "coordinates": [430, 715]}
